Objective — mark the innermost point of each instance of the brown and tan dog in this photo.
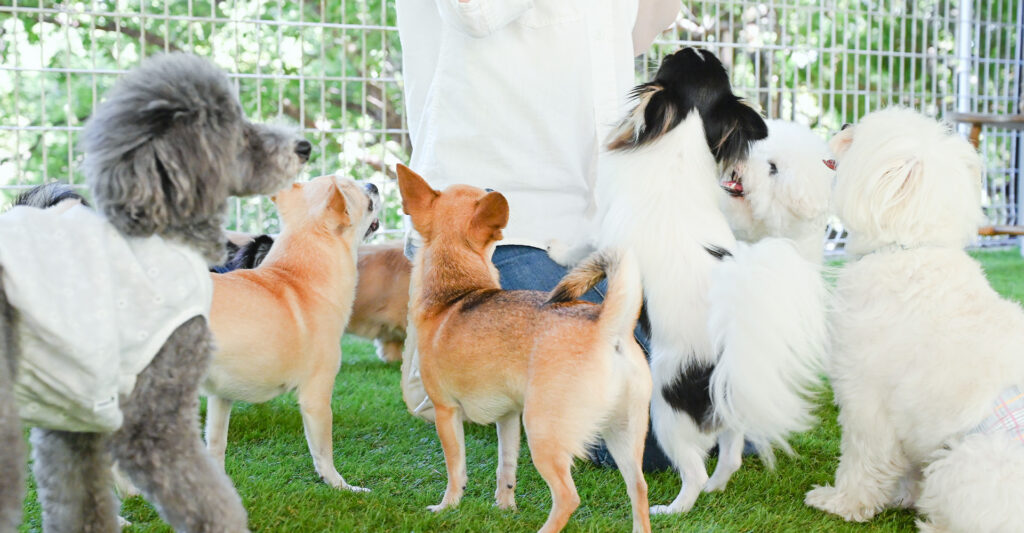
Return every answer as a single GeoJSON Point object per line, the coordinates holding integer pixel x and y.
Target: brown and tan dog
{"type": "Point", "coordinates": [382, 298]}
{"type": "Point", "coordinates": [278, 326]}
{"type": "Point", "coordinates": [570, 369]}
{"type": "Point", "coordinates": [382, 295]}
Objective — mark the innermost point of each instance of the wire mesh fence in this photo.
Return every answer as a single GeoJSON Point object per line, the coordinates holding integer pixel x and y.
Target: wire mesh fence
{"type": "Point", "coordinates": [825, 63]}
{"type": "Point", "coordinates": [334, 69]}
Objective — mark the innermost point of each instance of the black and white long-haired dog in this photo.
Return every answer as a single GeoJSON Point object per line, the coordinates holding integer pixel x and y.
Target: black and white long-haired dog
{"type": "Point", "coordinates": [737, 332]}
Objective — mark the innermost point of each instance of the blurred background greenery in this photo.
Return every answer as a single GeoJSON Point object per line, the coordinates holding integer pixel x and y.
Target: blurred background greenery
{"type": "Point", "coordinates": [334, 69]}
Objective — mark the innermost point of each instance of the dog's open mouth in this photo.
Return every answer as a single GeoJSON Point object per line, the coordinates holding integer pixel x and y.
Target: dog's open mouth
{"type": "Point", "coordinates": [734, 185]}
{"type": "Point", "coordinates": [374, 226]}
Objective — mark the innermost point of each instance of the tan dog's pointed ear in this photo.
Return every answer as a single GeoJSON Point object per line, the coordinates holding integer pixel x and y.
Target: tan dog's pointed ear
{"type": "Point", "coordinates": [337, 203]}
{"type": "Point", "coordinates": [490, 216]}
{"type": "Point", "coordinates": [417, 196]}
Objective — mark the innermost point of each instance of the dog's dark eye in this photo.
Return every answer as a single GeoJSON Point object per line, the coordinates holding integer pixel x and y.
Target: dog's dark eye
{"type": "Point", "coordinates": [772, 169]}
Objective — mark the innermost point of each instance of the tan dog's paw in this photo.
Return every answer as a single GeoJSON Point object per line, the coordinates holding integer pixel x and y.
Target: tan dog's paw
{"type": "Point", "coordinates": [505, 500]}
{"type": "Point", "coordinates": [829, 499]}
{"type": "Point", "coordinates": [437, 508]}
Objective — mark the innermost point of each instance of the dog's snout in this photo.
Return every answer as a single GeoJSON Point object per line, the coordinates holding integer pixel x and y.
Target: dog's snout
{"type": "Point", "coordinates": [371, 188]}
{"type": "Point", "coordinates": [303, 149]}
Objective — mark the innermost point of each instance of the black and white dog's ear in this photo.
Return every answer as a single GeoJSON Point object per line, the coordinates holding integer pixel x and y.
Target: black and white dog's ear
{"type": "Point", "coordinates": [730, 127]}
{"type": "Point", "coordinates": [655, 113]}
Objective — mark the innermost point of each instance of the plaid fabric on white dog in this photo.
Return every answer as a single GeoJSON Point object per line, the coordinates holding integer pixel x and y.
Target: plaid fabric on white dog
{"type": "Point", "coordinates": [1007, 415]}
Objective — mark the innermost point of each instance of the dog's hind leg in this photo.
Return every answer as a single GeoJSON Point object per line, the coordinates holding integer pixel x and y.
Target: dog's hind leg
{"type": "Point", "coordinates": [389, 351]}
{"type": "Point", "coordinates": [12, 448]}
{"type": "Point", "coordinates": [218, 416]}
{"type": "Point", "coordinates": [448, 423]}
{"type": "Point", "coordinates": [554, 463]}
{"type": "Point", "coordinates": [683, 443]}
{"type": "Point", "coordinates": [625, 442]}
{"type": "Point", "coordinates": [315, 405]}
{"type": "Point", "coordinates": [508, 460]}
{"type": "Point", "coordinates": [159, 446]}
{"type": "Point", "coordinates": [75, 486]}
{"type": "Point", "coordinates": [730, 458]}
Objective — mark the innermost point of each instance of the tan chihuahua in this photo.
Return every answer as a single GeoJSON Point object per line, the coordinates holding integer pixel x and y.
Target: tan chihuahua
{"type": "Point", "coordinates": [382, 298]}
{"type": "Point", "coordinates": [278, 326]}
{"type": "Point", "coordinates": [570, 369]}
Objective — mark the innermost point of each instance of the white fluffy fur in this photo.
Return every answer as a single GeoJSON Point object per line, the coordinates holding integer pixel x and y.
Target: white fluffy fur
{"type": "Point", "coordinates": [772, 340]}
{"type": "Point", "coordinates": [922, 344]}
{"type": "Point", "coordinates": [794, 203]}
{"type": "Point", "coordinates": [662, 201]}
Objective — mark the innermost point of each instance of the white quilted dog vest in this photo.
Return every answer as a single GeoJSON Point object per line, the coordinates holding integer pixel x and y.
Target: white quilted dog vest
{"type": "Point", "coordinates": [94, 308]}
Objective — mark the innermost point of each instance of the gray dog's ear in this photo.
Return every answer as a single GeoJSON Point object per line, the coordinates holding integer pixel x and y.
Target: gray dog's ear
{"type": "Point", "coordinates": [161, 150]}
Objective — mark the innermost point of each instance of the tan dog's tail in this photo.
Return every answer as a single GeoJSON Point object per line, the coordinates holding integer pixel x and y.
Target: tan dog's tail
{"type": "Point", "coordinates": [622, 303]}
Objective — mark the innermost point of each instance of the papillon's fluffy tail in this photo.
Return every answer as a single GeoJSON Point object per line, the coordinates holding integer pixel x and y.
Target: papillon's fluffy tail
{"type": "Point", "coordinates": [768, 322]}
{"type": "Point", "coordinates": [621, 306]}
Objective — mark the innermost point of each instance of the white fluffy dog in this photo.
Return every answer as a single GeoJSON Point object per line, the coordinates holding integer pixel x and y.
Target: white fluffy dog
{"type": "Point", "coordinates": [737, 332]}
{"type": "Point", "coordinates": [782, 189]}
{"type": "Point", "coordinates": [928, 366]}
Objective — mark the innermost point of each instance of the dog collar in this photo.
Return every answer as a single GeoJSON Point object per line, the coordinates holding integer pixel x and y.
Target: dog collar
{"type": "Point", "coordinates": [1006, 415]}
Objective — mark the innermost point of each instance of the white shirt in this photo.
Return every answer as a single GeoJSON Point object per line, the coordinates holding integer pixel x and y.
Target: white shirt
{"type": "Point", "coordinates": [94, 308]}
{"type": "Point", "coordinates": [517, 96]}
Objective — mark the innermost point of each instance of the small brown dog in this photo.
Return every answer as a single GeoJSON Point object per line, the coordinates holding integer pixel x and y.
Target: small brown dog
{"type": "Point", "coordinates": [278, 326]}
{"type": "Point", "coordinates": [570, 369]}
{"type": "Point", "coordinates": [382, 298]}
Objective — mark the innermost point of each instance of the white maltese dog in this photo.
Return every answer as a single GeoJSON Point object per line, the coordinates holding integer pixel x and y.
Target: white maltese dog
{"type": "Point", "coordinates": [928, 361]}
{"type": "Point", "coordinates": [782, 189]}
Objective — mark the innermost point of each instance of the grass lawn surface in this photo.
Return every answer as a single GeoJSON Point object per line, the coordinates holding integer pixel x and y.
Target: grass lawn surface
{"type": "Point", "coordinates": [378, 445]}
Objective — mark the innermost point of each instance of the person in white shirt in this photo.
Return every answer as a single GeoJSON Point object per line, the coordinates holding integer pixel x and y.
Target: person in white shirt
{"type": "Point", "coordinates": [518, 96]}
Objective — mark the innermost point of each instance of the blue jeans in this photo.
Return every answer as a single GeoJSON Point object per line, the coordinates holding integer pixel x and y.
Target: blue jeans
{"type": "Point", "coordinates": [529, 268]}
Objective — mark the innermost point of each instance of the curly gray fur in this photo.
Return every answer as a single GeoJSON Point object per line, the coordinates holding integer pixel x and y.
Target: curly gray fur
{"type": "Point", "coordinates": [12, 453]}
{"type": "Point", "coordinates": [170, 144]}
{"type": "Point", "coordinates": [159, 446]}
{"type": "Point", "coordinates": [73, 479]}
{"type": "Point", "coordinates": [163, 153]}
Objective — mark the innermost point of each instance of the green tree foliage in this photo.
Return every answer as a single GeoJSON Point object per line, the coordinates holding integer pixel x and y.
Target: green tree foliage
{"type": "Point", "coordinates": [334, 69]}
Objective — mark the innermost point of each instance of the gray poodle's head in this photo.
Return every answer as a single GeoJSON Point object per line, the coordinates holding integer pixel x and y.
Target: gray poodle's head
{"type": "Point", "coordinates": [170, 143]}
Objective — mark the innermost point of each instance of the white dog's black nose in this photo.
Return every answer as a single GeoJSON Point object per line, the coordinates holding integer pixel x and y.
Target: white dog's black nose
{"type": "Point", "coordinates": [847, 125]}
{"type": "Point", "coordinates": [371, 188]}
{"type": "Point", "coordinates": [303, 149]}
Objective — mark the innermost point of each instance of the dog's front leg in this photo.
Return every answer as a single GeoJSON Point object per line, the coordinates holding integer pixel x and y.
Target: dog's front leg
{"type": "Point", "coordinates": [568, 255]}
{"type": "Point", "coordinates": [159, 446]}
{"type": "Point", "coordinates": [75, 487]}
{"type": "Point", "coordinates": [448, 422]}
{"type": "Point", "coordinates": [870, 468]}
{"type": "Point", "coordinates": [218, 417]}
{"type": "Point", "coordinates": [508, 460]}
{"type": "Point", "coordinates": [315, 404]}
{"type": "Point", "coordinates": [12, 452]}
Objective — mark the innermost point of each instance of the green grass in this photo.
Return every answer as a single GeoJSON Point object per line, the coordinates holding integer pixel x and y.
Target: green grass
{"type": "Point", "coordinates": [380, 446]}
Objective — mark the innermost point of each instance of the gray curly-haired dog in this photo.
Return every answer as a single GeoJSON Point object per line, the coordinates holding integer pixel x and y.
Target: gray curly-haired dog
{"type": "Point", "coordinates": [163, 153]}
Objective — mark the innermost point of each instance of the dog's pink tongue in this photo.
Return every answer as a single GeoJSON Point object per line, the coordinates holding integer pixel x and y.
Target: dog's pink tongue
{"type": "Point", "coordinates": [733, 186]}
